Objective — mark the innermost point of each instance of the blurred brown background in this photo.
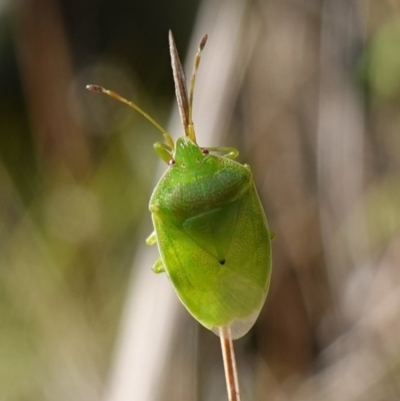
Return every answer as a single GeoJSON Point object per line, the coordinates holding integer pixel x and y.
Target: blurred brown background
{"type": "Point", "coordinates": [312, 101]}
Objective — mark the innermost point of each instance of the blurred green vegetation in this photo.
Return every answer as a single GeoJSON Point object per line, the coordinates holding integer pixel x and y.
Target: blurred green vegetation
{"type": "Point", "coordinates": [72, 203]}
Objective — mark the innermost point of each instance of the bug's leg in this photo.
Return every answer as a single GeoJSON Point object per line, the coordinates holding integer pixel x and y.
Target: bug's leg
{"type": "Point", "coordinates": [229, 153]}
{"type": "Point", "coordinates": [158, 266]}
{"type": "Point", "coordinates": [164, 151]}
{"type": "Point", "coordinates": [151, 239]}
{"type": "Point", "coordinates": [272, 235]}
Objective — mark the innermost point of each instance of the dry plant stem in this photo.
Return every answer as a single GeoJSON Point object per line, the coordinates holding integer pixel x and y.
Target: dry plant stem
{"type": "Point", "coordinates": [228, 354]}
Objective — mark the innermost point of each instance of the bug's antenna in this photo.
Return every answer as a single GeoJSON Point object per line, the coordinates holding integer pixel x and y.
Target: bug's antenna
{"type": "Point", "coordinates": [202, 43]}
{"type": "Point", "coordinates": [116, 96]}
{"type": "Point", "coordinates": [180, 87]}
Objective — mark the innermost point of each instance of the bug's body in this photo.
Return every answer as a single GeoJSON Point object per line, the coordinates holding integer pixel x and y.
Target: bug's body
{"type": "Point", "coordinates": [210, 227]}
{"type": "Point", "coordinates": [213, 237]}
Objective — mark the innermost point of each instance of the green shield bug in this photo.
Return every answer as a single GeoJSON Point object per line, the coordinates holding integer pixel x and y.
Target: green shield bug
{"type": "Point", "coordinates": [209, 224]}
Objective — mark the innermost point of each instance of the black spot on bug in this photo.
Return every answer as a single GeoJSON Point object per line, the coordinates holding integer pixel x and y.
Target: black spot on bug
{"type": "Point", "coordinates": [222, 262]}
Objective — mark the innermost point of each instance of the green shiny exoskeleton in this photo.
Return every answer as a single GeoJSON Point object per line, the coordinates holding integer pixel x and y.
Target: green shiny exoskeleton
{"type": "Point", "coordinates": [209, 225]}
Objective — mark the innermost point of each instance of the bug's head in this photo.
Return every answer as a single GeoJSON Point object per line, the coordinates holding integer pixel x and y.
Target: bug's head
{"type": "Point", "coordinates": [187, 153]}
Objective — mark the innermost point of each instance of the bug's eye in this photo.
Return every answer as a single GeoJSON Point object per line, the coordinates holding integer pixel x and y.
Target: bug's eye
{"type": "Point", "coordinates": [205, 151]}
{"type": "Point", "coordinates": [171, 162]}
